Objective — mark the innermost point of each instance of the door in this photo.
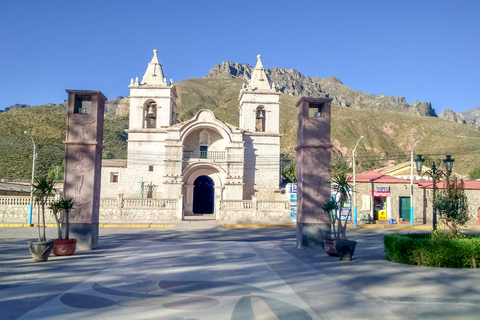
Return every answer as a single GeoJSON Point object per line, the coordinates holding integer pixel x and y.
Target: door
{"type": "Point", "coordinates": [203, 195]}
{"type": "Point", "coordinates": [203, 152]}
{"type": "Point", "coordinates": [405, 208]}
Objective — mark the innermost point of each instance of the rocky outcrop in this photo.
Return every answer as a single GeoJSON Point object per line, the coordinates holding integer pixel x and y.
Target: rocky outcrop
{"type": "Point", "coordinates": [471, 114]}
{"type": "Point", "coordinates": [287, 81]}
{"type": "Point", "coordinates": [123, 107]}
{"type": "Point", "coordinates": [470, 117]}
{"type": "Point", "coordinates": [292, 82]}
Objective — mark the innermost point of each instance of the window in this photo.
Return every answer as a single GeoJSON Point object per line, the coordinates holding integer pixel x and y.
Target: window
{"type": "Point", "coordinates": [150, 168]}
{"type": "Point", "coordinates": [82, 104]}
{"type": "Point", "coordinates": [315, 111]}
{"type": "Point", "coordinates": [114, 177]}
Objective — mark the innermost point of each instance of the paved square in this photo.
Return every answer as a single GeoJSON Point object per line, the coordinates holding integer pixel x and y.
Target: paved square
{"type": "Point", "coordinates": [198, 271]}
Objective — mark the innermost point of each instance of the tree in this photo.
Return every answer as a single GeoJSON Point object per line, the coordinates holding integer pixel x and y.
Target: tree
{"type": "Point", "coordinates": [289, 168]}
{"type": "Point", "coordinates": [452, 206]}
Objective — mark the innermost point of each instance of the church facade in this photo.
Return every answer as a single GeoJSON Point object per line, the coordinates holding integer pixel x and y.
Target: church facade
{"type": "Point", "coordinates": [206, 167]}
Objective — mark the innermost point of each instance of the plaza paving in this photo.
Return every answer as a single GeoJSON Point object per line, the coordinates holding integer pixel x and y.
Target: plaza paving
{"type": "Point", "coordinates": [201, 270]}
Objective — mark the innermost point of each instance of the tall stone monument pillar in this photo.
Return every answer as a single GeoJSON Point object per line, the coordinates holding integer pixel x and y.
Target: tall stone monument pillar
{"type": "Point", "coordinates": [313, 170]}
{"type": "Point", "coordinates": [83, 164]}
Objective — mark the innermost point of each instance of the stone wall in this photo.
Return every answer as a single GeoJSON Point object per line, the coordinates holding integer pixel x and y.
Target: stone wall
{"type": "Point", "coordinates": [249, 211]}
{"type": "Point", "coordinates": [136, 210]}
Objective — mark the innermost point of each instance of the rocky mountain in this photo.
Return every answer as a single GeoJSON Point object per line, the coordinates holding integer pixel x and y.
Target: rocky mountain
{"type": "Point", "coordinates": [347, 97]}
{"type": "Point", "coordinates": [470, 117]}
{"type": "Point", "coordinates": [292, 82]}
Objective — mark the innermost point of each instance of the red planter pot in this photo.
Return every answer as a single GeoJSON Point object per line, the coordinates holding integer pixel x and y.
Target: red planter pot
{"type": "Point", "coordinates": [64, 247]}
{"type": "Point", "coordinates": [330, 247]}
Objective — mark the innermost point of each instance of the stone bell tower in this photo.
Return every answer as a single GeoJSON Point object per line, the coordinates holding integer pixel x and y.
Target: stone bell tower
{"type": "Point", "coordinates": [259, 113]}
{"type": "Point", "coordinates": [83, 164]}
{"type": "Point", "coordinates": [313, 170]}
{"type": "Point", "coordinates": [153, 110]}
{"type": "Point", "coordinates": [152, 101]}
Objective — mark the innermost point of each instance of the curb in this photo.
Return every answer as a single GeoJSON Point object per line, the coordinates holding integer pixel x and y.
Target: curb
{"type": "Point", "coordinates": [151, 225]}
{"type": "Point", "coordinates": [386, 226]}
{"type": "Point", "coordinates": [102, 225]}
{"type": "Point", "coordinates": [259, 225]}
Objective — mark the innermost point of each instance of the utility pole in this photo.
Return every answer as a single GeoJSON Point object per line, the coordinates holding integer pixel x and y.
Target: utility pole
{"type": "Point", "coordinates": [30, 210]}
{"type": "Point", "coordinates": [354, 181]}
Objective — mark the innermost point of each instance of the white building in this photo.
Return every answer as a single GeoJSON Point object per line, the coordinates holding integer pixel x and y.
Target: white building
{"type": "Point", "coordinates": [202, 163]}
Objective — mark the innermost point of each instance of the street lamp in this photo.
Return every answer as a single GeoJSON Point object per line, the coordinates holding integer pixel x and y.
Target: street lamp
{"type": "Point", "coordinates": [354, 181]}
{"type": "Point", "coordinates": [33, 177]}
{"type": "Point", "coordinates": [411, 183]}
{"type": "Point", "coordinates": [435, 174]}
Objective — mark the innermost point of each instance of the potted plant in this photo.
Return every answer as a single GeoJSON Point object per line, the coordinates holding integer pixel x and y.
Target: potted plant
{"type": "Point", "coordinates": [330, 209]}
{"type": "Point", "coordinates": [42, 189]}
{"type": "Point", "coordinates": [63, 246]}
{"type": "Point", "coordinates": [344, 248]}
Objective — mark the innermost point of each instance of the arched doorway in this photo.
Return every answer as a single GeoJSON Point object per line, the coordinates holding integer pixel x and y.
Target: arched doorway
{"type": "Point", "coordinates": [203, 195]}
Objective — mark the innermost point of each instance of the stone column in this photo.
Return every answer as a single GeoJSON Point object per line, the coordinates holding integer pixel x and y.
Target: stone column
{"type": "Point", "coordinates": [313, 171]}
{"type": "Point", "coordinates": [83, 164]}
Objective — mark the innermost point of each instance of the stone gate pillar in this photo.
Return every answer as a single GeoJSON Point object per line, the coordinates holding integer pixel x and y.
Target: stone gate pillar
{"type": "Point", "coordinates": [83, 164]}
{"type": "Point", "coordinates": [313, 170]}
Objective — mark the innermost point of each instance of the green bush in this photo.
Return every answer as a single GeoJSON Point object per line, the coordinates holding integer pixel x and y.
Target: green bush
{"type": "Point", "coordinates": [437, 250]}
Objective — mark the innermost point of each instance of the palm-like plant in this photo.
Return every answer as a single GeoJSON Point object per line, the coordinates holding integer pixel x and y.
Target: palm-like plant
{"type": "Point", "coordinates": [340, 182]}
{"type": "Point", "coordinates": [43, 187]}
{"type": "Point", "coordinates": [64, 205]}
{"type": "Point", "coordinates": [55, 207]}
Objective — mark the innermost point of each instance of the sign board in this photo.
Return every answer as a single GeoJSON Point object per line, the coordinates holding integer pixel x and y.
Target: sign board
{"type": "Point", "coordinates": [382, 189]}
{"type": "Point", "coordinates": [379, 194]}
{"type": "Point", "coordinates": [347, 206]}
{"type": "Point", "coordinates": [292, 198]}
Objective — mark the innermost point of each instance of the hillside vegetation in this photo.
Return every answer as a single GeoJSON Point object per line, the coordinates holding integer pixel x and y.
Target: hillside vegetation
{"type": "Point", "coordinates": [389, 135]}
{"type": "Point", "coordinates": [47, 125]}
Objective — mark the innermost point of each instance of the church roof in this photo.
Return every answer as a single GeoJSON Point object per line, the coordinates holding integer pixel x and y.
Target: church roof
{"type": "Point", "coordinates": [154, 74]}
{"type": "Point", "coordinates": [377, 177]}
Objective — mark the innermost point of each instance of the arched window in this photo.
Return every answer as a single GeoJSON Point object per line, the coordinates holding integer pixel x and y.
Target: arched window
{"type": "Point", "coordinates": [203, 138]}
{"type": "Point", "coordinates": [150, 115]}
{"type": "Point", "coordinates": [260, 119]}
{"type": "Point", "coordinates": [204, 141]}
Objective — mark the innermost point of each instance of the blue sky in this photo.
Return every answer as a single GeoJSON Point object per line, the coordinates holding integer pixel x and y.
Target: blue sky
{"type": "Point", "coordinates": [423, 50]}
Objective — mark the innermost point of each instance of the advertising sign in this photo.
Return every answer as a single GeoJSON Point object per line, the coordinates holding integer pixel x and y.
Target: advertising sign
{"type": "Point", "coordinates": [292, 197]}
{"type": "Point", "coordinates": [347, 206]}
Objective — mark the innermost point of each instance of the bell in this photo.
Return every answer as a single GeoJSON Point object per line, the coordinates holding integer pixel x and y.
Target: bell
{"type": "Point", "coordinates": [259, 114]}
{"type": "Point", "coordinates": [150, 112]}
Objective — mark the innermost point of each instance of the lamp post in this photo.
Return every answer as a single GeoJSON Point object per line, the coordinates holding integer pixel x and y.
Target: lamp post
{"type": "Point", "coordinates": [354, 183]}
{"type": "Point", "coordinates": [435, 174]}
{"type": "Point", "coordinates": [411, 183]}
{"type": "Point", "coordinates": [33, 177]}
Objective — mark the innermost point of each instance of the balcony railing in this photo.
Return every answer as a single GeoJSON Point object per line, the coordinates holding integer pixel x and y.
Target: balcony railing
{"type": "Point", "coordinates": [212, 155]}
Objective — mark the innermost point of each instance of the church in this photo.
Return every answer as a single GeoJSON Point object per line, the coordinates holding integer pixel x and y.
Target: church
{"type": "Point", "coordinates": [204, 166]}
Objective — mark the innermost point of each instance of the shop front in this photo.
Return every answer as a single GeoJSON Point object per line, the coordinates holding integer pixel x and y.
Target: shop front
{"type": "Point", "coordinates": [381, 203]}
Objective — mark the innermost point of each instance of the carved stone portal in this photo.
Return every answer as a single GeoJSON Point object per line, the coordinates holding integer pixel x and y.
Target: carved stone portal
{"type": "Point", "coordinates": [83, 164]}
